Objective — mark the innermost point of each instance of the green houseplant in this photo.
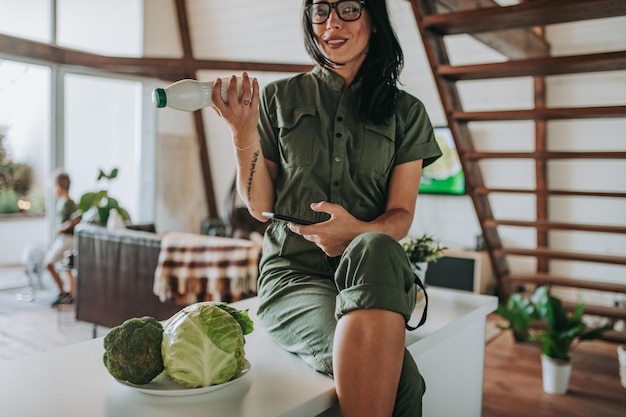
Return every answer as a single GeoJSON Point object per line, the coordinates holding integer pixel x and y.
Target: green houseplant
{"type": "Point", "coordinates": [520, 313]}
{"type": "Point", "coordinates": [96, 206]}
{"type": "Point", "coordinates": [556, 333]}
{"type": "Point", "coordinates": [560, 332]}
{"type": "Point", "coordinates": [15, 179]}
{"type": "Point", "coordinates": [420, 251]}
{"type": "Point", "coordinates": [543, 320]}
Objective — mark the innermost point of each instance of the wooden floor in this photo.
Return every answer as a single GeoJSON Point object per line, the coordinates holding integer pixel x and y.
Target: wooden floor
{"type": "Point", "coordinates": [513, 386]}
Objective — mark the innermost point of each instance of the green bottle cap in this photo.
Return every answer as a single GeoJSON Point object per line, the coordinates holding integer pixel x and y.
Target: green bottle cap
{"type": "Point", "coordinates": [159, 98]}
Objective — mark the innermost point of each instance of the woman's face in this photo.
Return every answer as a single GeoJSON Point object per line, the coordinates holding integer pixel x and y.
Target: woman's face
{"type": "Point", "coordinates": [344, 42]}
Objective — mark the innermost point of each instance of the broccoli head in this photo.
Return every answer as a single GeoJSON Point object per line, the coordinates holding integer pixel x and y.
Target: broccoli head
{"type": "Point", "coordinates": [132, 350]}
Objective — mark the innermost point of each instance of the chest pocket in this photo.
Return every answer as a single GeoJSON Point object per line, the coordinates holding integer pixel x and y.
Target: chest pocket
{"type": "Point", "coordinates": [297, 129]}
{"type": "Point", "coordinates": [378, 150]}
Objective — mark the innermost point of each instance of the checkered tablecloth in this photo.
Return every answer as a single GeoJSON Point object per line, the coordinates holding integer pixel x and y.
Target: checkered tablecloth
{"type": "Point", "coordinates": [193, 268]}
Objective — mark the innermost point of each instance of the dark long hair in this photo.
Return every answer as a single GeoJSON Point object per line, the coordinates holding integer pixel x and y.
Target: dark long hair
{"type": "Point", "coordinates": [381, 69]}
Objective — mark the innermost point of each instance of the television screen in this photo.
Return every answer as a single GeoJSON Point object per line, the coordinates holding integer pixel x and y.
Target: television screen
{"type": "Point", "coordinates": [445, 175]}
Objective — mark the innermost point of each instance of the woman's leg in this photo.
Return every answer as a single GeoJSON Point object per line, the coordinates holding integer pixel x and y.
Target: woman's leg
{"type": "Point", "coordinates": [300, 312]}
{"type": "Point", "coordinates": [367, 357]}
{"type": "Point", "coordinates": [375, 375]}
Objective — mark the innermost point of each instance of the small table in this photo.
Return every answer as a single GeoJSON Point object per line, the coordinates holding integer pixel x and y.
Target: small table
{"type": "Point", "coordinates": [73, 382]}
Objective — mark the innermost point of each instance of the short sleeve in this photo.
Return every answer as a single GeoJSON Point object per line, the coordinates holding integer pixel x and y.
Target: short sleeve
{"type": "Point", "coordinates": [415, 138]}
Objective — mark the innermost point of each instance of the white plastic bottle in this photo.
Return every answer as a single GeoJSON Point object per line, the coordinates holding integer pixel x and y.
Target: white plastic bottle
{"type": "Point", "coordinates": [190, 95]}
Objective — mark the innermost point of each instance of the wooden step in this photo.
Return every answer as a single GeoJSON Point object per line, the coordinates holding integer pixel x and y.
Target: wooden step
{"type": "Point", "coordinates": [544, 155]}
{"type": "Point", "coordinates": [547, 279]}
{"type": "Point", "coordinates": [614, 336]}
{"type": "Point", "coordinates": [551, 225]}
{"type": "Point", "coordinates": [557, 254]}
{"type": "Point", "coordinates": [572, 193]}
{"type": "Point", "coordinates": [511, 43]}
{"type": "Point", "coordinates": [564, 193]}
{"type": "Point", "coordinates": [542, 114]}
{"type": "Point", "coordinates": [525, 14]}
{"type": "Point", "coordinates": [596, 310]}
{"type": "Point", "coordinates": [535, 67]}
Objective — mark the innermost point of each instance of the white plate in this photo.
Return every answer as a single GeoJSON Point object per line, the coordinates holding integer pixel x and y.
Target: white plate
{"type": "Point", "coordinates": [165, 386]}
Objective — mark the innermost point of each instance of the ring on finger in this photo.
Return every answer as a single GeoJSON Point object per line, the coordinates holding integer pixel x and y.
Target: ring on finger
{"type": "Point", "coordinates": [246, 102]}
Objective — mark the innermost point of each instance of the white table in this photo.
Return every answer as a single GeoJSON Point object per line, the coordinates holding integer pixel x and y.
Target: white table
{"type": "Point", "coordinates": [72, 381]}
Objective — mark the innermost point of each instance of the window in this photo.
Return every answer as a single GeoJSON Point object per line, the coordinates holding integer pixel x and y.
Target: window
{"type": "Point", "coordinates": [92, 121]}
{"type": "Point", "coordinates": [103, 131]}
{"type": "Point", "coordinates": [25, 125]}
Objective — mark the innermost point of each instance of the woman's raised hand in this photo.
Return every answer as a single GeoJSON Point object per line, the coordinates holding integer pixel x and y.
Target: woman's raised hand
{"type": "Point", "coordinates": [240, 112]}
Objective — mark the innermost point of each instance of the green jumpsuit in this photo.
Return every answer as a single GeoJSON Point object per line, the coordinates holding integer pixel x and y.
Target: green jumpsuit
{"type": "Point", "coordinates": [310, 128]}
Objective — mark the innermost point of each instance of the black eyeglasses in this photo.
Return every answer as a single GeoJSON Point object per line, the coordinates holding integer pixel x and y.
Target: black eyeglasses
{"type": "Point", "coordinates": [347, 10]}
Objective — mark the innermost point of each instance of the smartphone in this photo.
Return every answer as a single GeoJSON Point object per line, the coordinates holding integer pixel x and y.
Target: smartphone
{"type": "Point", "coordinates": [284, 218]}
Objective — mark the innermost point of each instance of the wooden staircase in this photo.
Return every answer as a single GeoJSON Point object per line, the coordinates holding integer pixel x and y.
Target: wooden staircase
{"type": "Point", "coordinates": [516, 32]}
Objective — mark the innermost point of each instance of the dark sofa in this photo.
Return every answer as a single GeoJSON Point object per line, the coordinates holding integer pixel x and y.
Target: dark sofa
{"type": "Point", "coordinates": [115, 276]}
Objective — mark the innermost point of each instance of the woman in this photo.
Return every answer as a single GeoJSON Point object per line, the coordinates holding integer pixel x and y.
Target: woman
{"type": "Point", "coordinates": [343, 147]}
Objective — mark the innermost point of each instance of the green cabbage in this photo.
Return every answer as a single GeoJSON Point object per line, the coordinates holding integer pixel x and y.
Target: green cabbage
{"type": "Point", "coordinates": [203, 344]}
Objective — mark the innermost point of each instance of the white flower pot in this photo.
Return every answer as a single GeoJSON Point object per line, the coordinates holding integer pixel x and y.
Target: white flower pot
{"type": "Point", "coordinates": [621, 356]}
{"type": "Point", "coordinates": [555, 374]}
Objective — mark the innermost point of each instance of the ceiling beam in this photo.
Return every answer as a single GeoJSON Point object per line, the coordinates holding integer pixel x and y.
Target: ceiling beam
{"type": "Point", "coordinates": [168, 69]}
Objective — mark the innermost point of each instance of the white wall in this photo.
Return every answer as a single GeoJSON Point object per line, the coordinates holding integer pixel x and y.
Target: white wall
{"type": "Point", "coordinates": [17, 234]}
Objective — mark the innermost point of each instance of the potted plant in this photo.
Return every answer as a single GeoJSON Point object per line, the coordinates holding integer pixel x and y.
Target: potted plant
{"type": "Point", "coordinates": [520, 313]}
{"type": "Point", "coordinates": [96, 206]}
{"type": "Point", "coordinates": [421, 251]}
{"type": "Point", "coordinates": [557, 335]}
{"type": "Point", "coordinates": [15, 180]}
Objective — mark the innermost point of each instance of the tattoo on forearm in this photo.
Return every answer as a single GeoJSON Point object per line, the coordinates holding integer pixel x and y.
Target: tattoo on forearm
{"type": "Point", "coordinates": [255, 158]}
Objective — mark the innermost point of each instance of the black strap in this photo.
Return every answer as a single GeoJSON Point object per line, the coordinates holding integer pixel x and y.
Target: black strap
{"type": "Point", "coordinates": [425, 312]}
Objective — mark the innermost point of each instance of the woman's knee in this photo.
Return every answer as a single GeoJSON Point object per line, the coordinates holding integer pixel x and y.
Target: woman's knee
{"type": "Point", "coordinates": [374, 272]}
{"type": "Point", "coordinates": [377, 243]}
{"type": "Point", "coordinates": [374, 259]}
